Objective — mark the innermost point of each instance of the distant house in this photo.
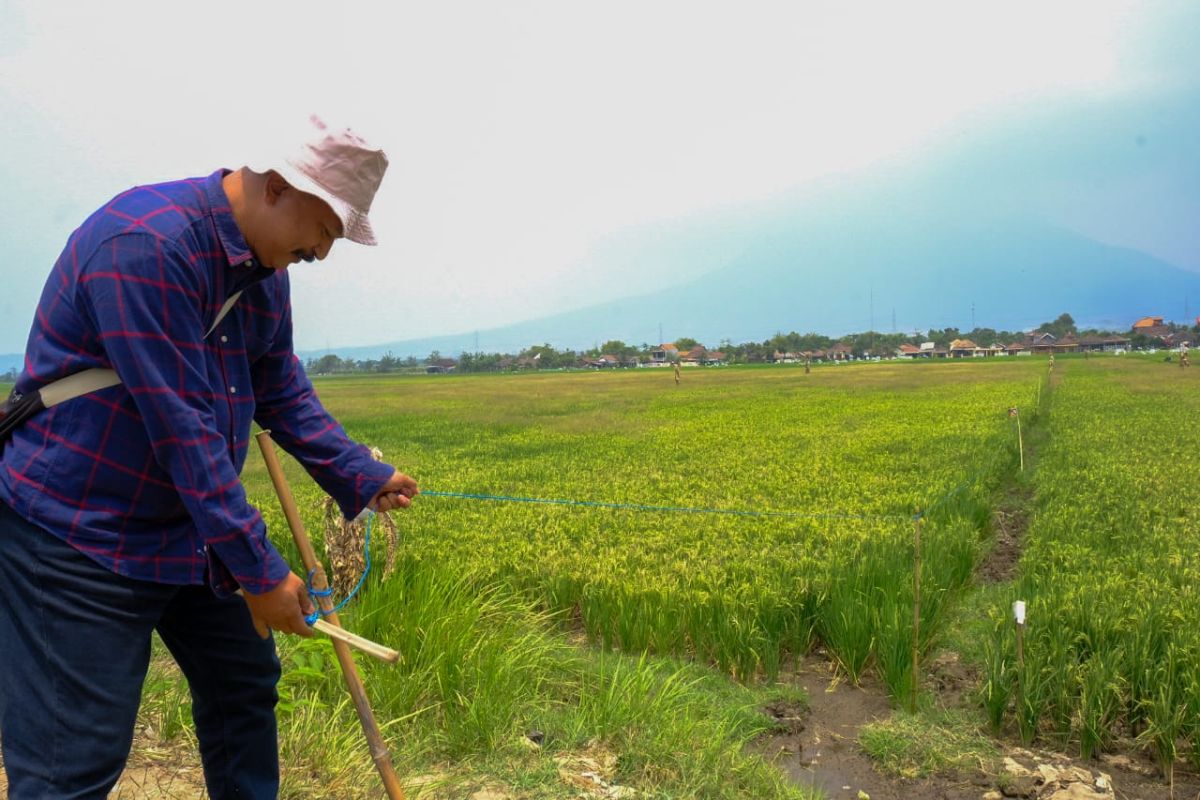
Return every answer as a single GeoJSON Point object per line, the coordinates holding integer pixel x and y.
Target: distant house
{"type": "Point", "coordinates": [441, 366]}
{"type": "Point", "coordinates": [1017, 349]}
{"type": "Point", "coordinates": [1039, 342]}
{"type": "Point", "coordinates": [1149, 322]}
{"type": "Point", "coordinates": [663, 355]}
{"type": "Point", "coordinates": [907, 350]}
{"type": "Point", "coordinates": [1067, 344]}
{"type": "Point", "coordinates": [1161, 332]}
{"type": "Point", "coordinates": [785, 358]}
{"type": "Point", "coordinates": [1103, 344]}
{"type": "Point", "coordinates": [714, 358]}
{"type": "Point", "coordinates": [605, 361]}
{"type": "Point", "coordinates": [814, 355]}
{"type": "Point", "coordinates": [965, 348]}
{"type": "Point", "coordinates": [841, 352]}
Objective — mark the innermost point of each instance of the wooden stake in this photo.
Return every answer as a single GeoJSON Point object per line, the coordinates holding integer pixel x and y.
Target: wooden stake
{"type": "Point", "coordinates": [1020, 443]}
{"type": "Point", "coordinates": [916, 634]}
{"type": "Point", "coordinates": [358, 692]}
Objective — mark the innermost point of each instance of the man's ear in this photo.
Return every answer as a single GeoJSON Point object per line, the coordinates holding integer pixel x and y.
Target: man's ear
{"type": "Point", "coordinates": [274, 187]}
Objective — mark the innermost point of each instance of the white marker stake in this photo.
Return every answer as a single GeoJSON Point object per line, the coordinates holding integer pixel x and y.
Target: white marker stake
{"type": "Point", "coordinates": [1018, 608]}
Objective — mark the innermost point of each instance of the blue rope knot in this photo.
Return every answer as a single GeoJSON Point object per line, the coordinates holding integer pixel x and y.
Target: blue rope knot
{"type": "Point", "coordinates": [319, 593]}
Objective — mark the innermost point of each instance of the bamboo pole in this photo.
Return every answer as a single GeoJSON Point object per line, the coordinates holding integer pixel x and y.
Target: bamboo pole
{"type": "Point", "coordinates": [1020, 443]}
{"type": "Point", "coordinates": [357, 642]}
{"type": "Point", "coordinates": [916, 634]}
{"type": "Point", "coordinates": [358, 692]}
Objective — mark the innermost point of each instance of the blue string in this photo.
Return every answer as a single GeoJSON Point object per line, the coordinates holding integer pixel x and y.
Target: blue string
{"type": "Point", "coordinates": [317, 593]}
{"type": "Point", "coordinates": [676, 509]}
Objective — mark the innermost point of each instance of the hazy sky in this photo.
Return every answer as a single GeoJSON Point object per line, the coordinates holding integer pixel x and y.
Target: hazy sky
{"type": "Point", "coordinates": [530, 142]}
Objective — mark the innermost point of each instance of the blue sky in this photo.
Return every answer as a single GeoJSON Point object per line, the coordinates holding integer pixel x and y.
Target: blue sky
{"type": "Point", "coordinates": [547, 155]}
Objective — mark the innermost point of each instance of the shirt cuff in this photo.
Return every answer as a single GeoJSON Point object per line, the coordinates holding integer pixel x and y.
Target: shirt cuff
{"type": "Point", "coordinates": [253, 565]}
{"type": "Point", "coordinates": [369, 477]}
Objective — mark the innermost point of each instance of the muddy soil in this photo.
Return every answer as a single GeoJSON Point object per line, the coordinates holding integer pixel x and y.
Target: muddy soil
{"type": "Point", "coordinates": [820, 747]}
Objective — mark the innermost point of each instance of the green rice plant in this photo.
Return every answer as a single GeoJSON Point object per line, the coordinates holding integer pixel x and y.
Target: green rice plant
{"type": "Point", "coordinates": [1101, 699]}
{"type": "Point", "coordinates": [1191, 725]}
{"type": "Point", "coordinates": [892, 618]}
{"type": "Point", "coordinates": [845, 623]}
{"type": "Point", "coordinates": [999, 671]}
{"type": "Point", "coordinates": [1165, 714]}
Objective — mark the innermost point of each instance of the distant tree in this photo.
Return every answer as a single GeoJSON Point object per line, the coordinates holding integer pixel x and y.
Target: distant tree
{"type": "Point", "coordinates": [615, 347]}
{"type": "Point", "coordinates": [943, 337]}
{"type": "Point", "coordinates": [10, 376]}
{"type": "Point", "coordinates": [388, 363]}
{"type": "Point", "coordinates": [985, 337]}
{"type": "Point", "coordinates": [1060, 327]}
{"type": "Point", "coordinates": [685, 343]}
{"type": "Point", "coordinates": [326, 365]}
{"type": "Point", "coordinates": [479, 362]}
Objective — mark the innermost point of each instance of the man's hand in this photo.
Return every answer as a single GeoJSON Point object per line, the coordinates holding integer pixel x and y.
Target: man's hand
{"type": "Point", "coordinates": [398, 492]}
{"type": "Point", "coordinates": [282, 609]}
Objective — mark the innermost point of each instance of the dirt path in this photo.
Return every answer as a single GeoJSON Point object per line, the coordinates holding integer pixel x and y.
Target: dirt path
{"type": "Point", "coordinates": [821, 750]}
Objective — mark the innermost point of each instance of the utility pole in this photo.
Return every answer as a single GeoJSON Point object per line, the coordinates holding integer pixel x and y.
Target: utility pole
{"type": "Point", "coordinates": [872, 319]}
{"type": "Point", "coordinates": [972, 315]}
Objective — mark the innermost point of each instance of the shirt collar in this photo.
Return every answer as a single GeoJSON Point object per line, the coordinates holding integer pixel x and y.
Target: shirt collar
{"type": "Point", "coordinates": [232, 240]}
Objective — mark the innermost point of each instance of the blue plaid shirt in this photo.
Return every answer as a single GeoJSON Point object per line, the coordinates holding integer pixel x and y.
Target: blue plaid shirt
{"type": "Point", "coordinates": [143, 477]}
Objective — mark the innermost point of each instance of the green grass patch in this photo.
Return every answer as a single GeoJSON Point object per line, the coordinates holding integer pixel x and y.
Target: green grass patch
{"type": "Point", "coordinates": [930, 742]}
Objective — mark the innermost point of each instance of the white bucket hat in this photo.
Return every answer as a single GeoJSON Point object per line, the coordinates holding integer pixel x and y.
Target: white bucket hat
{"type": "Point", "coordinates": [339, 167]}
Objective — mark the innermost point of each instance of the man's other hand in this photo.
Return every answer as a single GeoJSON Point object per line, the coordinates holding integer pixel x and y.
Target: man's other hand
{"type": "Point", "coordinates": [282, 609]}
{"type": "Point", "coordinates": [398, 492]}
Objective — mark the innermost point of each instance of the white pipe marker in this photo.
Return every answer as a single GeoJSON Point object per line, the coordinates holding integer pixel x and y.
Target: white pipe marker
{"type": "Point", "coordinates": [1019, 611]}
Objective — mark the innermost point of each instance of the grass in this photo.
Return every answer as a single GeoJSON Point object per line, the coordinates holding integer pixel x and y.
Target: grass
{"type": "Point", "coordinates": [930, 742]}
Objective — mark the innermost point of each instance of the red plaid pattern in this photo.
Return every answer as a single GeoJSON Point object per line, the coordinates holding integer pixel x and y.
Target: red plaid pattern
{"type": "Point", "coordinates": [143, 477]}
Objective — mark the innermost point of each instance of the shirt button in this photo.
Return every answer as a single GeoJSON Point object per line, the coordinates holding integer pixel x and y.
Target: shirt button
{"type": "Point", "coordinates": [233, 390]}
{"type": "Point", "coordinates": [249, 262]}
{"type": "Point", "coordinates": [224, 338]}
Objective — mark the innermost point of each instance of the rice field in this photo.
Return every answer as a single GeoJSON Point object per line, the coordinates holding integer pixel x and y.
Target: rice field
{"type": "Point", "coordinates": [827, 473]}
{"type": "Point", "coordinates": [702, 537]}
{"type": "Point", "coordinates": [1111, 569]}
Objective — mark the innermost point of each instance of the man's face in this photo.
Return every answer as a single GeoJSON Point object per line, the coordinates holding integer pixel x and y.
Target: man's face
{"type": "Point", "coordinates": [296, 226]}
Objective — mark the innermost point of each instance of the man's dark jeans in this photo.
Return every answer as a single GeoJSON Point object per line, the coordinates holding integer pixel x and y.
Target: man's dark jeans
{"type": "Point", "coordinates": [74, 648]}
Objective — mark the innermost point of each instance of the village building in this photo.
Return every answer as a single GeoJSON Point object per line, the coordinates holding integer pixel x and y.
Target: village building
{"type": "Point", "coordinates": [1103, 344]}
{"type": "Point", "coordinates": [965, 348]}
{"type": "Point", "coordinates": [1067, 344]}
{"type": "Point", "coordinates": [441, 366]}
{"type": "Point", "coordinates": [841, 352]}
{"type": "Point", "coordinates": [663, 355]}
{"type": "Point", "coordinates": [1017, 349]}
{"type": "Point", "coordinates": [1041, 343]}
{"type": "Point", "coordinates": [786, 358]}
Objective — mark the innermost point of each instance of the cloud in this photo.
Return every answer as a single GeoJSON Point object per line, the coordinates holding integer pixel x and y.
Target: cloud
{"type": "Point", "coordinates": [526, 137]}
